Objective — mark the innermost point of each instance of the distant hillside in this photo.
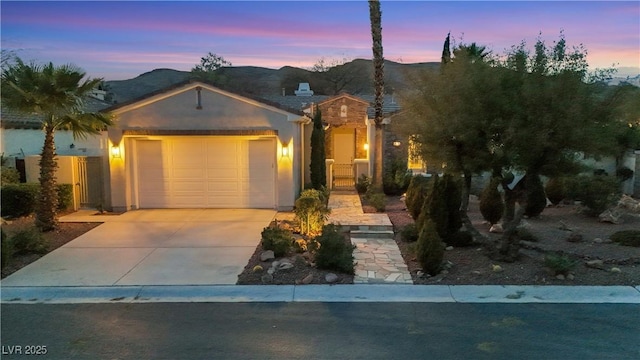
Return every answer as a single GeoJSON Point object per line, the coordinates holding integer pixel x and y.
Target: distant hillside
{"type": "Point", "coordinates": [354, 77]}
{"type": "Point", "coordinates": [124, 90]}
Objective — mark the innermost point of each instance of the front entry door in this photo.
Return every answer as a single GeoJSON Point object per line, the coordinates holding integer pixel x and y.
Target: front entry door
{"type": "Point", "coordinates": [344, 149]}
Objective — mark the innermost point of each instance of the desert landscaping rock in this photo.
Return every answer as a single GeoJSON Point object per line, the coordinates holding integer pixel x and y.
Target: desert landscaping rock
{"type": "Point", "coordinates": [496, 229]}
{"type": "Point", "coordinates": [331, 278]}
{"type": "Point", "coordinates": [595, 264]}
{"type": "Point", "coordinates": [613, 216]}
{"type": "Point", "coordinates": [574, 237]}
{"type": "Point", "coordinates": [267, 255]}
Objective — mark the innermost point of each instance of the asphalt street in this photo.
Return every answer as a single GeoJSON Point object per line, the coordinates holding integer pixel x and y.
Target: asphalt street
{"type": "Point", "coordinates": [315, 330]}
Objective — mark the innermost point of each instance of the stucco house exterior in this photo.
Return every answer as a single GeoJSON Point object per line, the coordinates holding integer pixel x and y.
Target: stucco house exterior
{"type": "Point", "coordinates": [193, 145]}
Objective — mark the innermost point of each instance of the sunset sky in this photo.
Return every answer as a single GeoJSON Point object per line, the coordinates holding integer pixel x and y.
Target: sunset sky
{"type": "Point", "coordinates": [120, 40]}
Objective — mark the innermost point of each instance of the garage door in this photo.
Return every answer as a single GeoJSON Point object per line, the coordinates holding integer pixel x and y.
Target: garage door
{"type": "Point", "coordinates": [206, 172]}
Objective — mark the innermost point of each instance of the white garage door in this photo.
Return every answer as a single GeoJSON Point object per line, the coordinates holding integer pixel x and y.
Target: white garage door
{"type": "Point", "coordinates": [206, 172]}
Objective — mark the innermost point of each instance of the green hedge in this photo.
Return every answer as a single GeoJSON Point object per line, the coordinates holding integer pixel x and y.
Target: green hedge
{"type": "Point", "coordinates": [21, 199]}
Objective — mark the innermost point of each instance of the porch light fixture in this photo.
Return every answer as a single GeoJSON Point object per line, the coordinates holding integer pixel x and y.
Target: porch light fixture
{"type": "Point", "coordinates": [397, 143]}
{"type": "Point", "coordinates": [285, 150]}
{"type": "Point", "coordinates": [115, 152]}
{"type": "Point", "coordinates": [366, 146]}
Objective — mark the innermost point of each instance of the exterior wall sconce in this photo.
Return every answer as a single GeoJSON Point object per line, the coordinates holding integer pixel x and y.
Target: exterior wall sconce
{"type": "Point", "coordinates": [115, 152]}
{"type": "Point", "coordinates": [285, 150]}
{"type": "Point", "coordinates": [397, 143]}
{"type": "Point", "coordinates": [366, 146]}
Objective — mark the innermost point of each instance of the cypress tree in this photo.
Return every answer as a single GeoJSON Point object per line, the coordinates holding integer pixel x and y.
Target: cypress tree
{"type": "Point", "coordinates": [446, 51]}
{"type": "Point", "coordinates": [318, 166]}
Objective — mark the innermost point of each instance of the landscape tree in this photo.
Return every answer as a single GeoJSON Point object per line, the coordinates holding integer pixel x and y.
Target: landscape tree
{"type": "Point", "coordinates": [318, 165]}
{"type": "Point", "coordinates": [375, 16]}
{"type": "Point", "coordinates": [451, 119]}
{"type": "Point", "coordinates": [211, 69]}
{"type": "Point", "coordinates": [554, 112]}
{"type": "Point", "coordinates": [56, 94]}
{"type": "Point", "coordinates": [532, 113]}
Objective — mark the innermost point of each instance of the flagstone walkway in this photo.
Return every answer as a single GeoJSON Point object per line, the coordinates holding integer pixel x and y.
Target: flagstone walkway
{"type": "Point", "coordinates": [378, 258]}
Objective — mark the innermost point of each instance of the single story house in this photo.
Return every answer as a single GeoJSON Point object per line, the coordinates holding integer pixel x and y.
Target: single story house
{"type": "Point", "coordinates": [193, 145]}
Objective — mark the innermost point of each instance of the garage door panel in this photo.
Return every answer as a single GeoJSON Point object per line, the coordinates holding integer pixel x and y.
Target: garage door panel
{"type": "Point", "coordinates": [189, 173]}
{"type": "Point", "coordinates": [217, 172]}
{"type": "Point", "coordinates": [222, 186]}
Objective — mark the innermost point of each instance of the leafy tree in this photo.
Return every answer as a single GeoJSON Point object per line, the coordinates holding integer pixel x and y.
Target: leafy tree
{"type": "Point", "coordinates": [211, 69]}
{"type": "Point", "coordinates": [335, 75]}
{"type": "Point", "coordinates": [375, 16]}
{"type": "Point", "coordinates": [56, 94]}
{"type": "Point", "coordinates": [318, 165]}
{"type": "Point", "coordinates": [451, 122]}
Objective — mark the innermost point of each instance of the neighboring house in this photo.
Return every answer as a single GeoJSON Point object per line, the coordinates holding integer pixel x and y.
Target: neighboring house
{"type": "Point", "coordinates": [81, 162]}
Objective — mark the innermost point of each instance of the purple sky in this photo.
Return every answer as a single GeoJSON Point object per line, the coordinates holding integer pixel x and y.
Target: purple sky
{"type": "Point", "coordinates": [120, 40]}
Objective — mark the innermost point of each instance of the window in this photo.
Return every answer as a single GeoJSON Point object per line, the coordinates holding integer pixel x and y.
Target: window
{"type": "Point", "coordinates": [343, 111]}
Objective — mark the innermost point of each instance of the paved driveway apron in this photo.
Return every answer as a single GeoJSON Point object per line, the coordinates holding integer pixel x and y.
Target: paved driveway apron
{"type": "Point", "coordinates": [153, 247]}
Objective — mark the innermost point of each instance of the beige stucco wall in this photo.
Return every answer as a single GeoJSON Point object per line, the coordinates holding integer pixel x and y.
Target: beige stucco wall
{"type": "Point", "coordinates": [177, 111]}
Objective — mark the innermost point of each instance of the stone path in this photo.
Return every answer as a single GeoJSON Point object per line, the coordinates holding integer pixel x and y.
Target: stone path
{"type": "Point", "coordinates": [378, 258]}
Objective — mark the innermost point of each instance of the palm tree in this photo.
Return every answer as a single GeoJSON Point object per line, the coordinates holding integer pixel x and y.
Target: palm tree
{"type": "Point", "coordinates": [56, 94]}
{"type": "Point", "coordinates": [375, 16]}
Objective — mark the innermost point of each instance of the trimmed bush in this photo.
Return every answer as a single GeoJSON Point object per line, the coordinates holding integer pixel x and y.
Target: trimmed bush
{"type": "Point", "coordinates": [335, 252]}
{"type": "Point", "coordinates": [491, 204]}
{"type": "Point", "coordinates": [536, 198]}
{"type": "Point", "coordinates": [452, 199]}
{"type": "Point", "coordinates": [378, 201]}
{"type": "Point", "coordinates": [429, 248]}
{"type": "Point", "coordinates": [19, 199]}
{"type": "Point", "coordinates": [311, 211]}
{"type": "Point", "coordinates": [6, 248]}
{"type": "Point", "coordinates": [409, 233]}
{"type": "Point", "coordinates": [65, 196]}
{"type": "Point", "coordinates": [627, 238]}
{"type": "Point", "coordinates": [28, 241]}
{"type": "Point", "coordinates": [363, 184]}
{"type": "Point", "coordinates": [9, 175]}
{"type": "Point", "coordinates": [596, 192]}
{"type": "Point", "coordinates": [278, 240]}
{"type": "Point", "coordinates": [556, 190]}
{"type": "Point", "coordinates": [397, 178]}
{"type": "Point", "coordinates": [416, 194]}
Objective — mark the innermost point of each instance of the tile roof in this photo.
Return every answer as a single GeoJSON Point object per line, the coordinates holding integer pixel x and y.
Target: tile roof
{"type": "Point", "coordinates": [11, 119]}
{"type": "Point", "coordinates": [389, 105]}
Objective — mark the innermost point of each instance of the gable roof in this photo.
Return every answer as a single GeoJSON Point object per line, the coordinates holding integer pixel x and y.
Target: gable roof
{"type": "Point", "coordinates": [191, 84]}
{"type": "Point", "coordinates": [389, 105]}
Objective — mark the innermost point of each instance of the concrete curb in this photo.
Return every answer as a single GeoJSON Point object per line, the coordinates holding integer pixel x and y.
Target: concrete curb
{"type": "Point", "coordinates": [323, 293]}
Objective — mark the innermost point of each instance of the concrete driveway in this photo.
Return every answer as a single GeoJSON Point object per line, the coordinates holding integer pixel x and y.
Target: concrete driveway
{"type": "Point", "coordinates": [152, 247]}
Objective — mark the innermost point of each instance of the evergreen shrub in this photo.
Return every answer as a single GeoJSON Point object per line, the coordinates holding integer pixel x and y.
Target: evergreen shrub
{"type": "Point", "coordinates": [491, 204]}
{"type": "Point", "coordinates": [596, 192]}
{"type": "Point", "coordinates": [536, 197]}
{"type": "Point", "coordinates": [627, 238]}
{"type": "Point", "coordinates": [556, 190]}
{"type": "Point", "coordinates": [29, 241]}
{"type": "Point", "coordinates": [429, 248]}
{"type": "Point", "coordinates": [335, 251]}
{"type": "Point", "coordinates": [409, 233]}
{"type": "Point", "coordinates": [279, 240]}
{"type": "Point", "coordinates": [416, 194]}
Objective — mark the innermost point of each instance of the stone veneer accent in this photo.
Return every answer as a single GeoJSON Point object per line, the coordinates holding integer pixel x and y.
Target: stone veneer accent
{"type": "Point", "coordinates": [356, 113]}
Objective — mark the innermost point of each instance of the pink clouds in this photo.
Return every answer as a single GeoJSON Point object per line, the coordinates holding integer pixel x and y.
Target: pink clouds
{"type": "Point", "coordinates": [146, 35]}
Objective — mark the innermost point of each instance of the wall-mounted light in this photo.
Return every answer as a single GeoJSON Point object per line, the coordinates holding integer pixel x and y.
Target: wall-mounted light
{"type": "Point", "coordinates": [115, 152]}
{"type": "Point", "coordinates": [397, 143]}
{"type": "Point", "coordinates": [285, 150]}
{"type": "Point", "coordinates": [366, 146]}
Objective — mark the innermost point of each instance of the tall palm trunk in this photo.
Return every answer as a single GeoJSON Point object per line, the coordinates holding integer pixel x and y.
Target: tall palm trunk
{"type": "Point", "coordinates": [48, 198]}
{"type": "Point", "coordinates": [375, 16]}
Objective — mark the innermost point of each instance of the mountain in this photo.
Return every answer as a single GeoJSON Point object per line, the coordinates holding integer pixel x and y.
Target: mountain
{"type": "Point", "coordinates": [354, 77]}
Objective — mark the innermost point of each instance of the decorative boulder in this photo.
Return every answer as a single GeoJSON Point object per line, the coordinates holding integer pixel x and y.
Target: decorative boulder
{"type": "Point", "coordinates": [267, 255]}
{"type": "Point", "coordinates": [611, 216]}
